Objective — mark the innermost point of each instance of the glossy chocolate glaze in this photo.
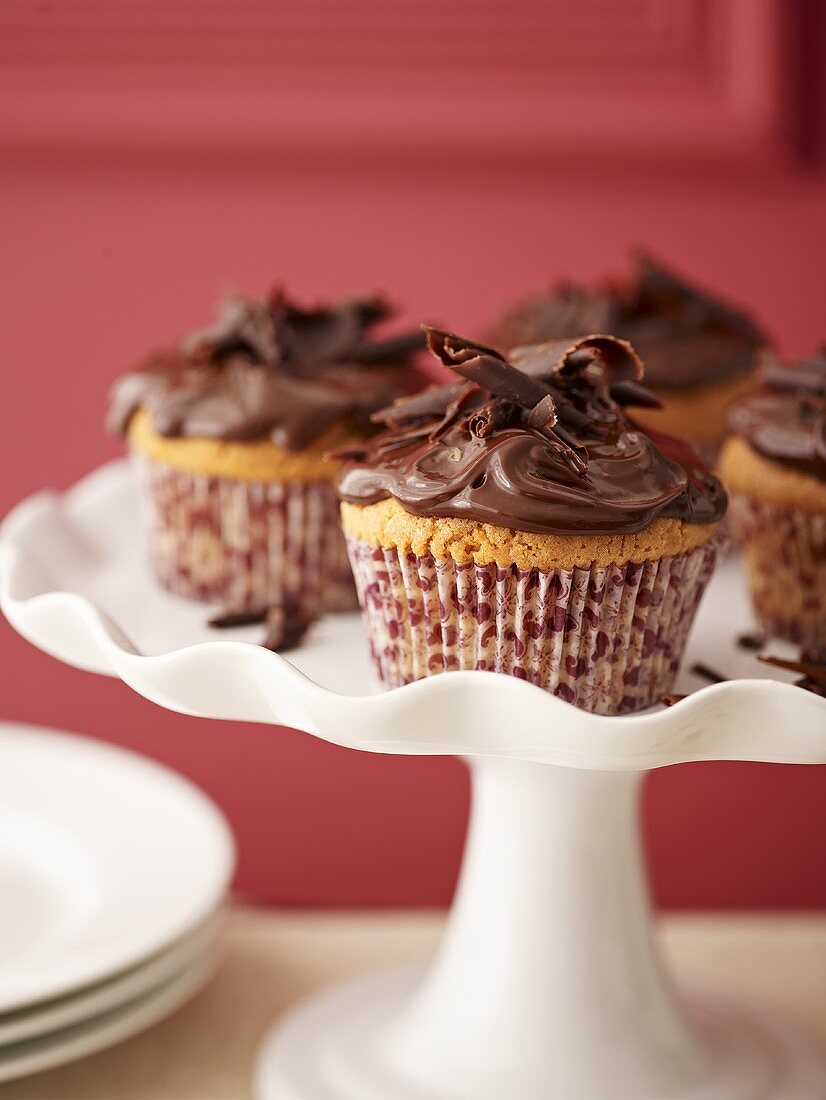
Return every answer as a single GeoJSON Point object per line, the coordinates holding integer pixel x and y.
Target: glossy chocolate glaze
{"type": "Point", "coordinates": [538, 442]}
{"type": "Point", "coordinates": [785, 420]}
{"type": "Point", "coordinates": [686, 337]}
{"type": "Point", "coordinates": [271, 370]}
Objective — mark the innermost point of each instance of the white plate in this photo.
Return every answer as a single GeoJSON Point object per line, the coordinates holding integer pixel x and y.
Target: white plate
{"type": "Point", "coordinates": [51, 1016]}
{"type": "Point", "coordinates": [105, 860]}
{"type": "Point", "coordinates": [69, 1044]}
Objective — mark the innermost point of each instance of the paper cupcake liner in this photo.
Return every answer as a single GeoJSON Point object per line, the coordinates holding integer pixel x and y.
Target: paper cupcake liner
{"type": "Point", "coordinates": [608, 639]}
{"type": "Point", "coordinates": [785, 556]}
{"type": "Point", "coordinates": [245, 544]}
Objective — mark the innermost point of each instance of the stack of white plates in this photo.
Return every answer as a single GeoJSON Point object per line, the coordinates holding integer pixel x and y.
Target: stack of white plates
{"type": "Point", "coordinates": [113, 871]}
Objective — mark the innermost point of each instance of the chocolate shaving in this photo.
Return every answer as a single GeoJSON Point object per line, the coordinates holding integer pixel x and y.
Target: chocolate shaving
{"type": "Point", "coordinates": [607, 358]}
{"type": "Point", "coordinates": [708, 673]}
{"type": "Point", "coordinates": [631, 393]}
{"type": "Point", "coordinates": [805, 668]}
{"type": "Point", "coordinates": [501, 379]}
{"type": "Point", "coordinates": [486, 420]}
{"type": "Point", "coordinates": [816, 687]}
{"type": "Point", "coordinates": [543, 414]}
{"type": "Point", "coordinates": [390, 350]}
{"type": "Point", "coordinates": [751, 642]}
{"type": "Point", "coordinates": [356, 453]}
{"type": "Point", "coordinates": [429, 403]}
{"type": "Point", "coordinates": [226, 620]}
{"type": "Point", "coordinates": [286, 627]}
{"type": "Point", "coordinates": [671, 698]}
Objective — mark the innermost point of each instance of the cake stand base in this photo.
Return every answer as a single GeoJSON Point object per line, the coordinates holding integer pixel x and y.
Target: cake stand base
{"type": "Point", "coordinates": [547, 983]}
{"type": "Point", "coordinates": [338, 1046]}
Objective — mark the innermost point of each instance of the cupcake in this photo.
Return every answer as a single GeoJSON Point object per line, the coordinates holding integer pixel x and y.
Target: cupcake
{"type": "Point", "coordinates": [700, 353]}
{"type": "Point", "coordinates": [775, 466]}
{"type": "Point", "coordinates": [229, 435]}
{"type": "Point", "coordinates": [519, 521]}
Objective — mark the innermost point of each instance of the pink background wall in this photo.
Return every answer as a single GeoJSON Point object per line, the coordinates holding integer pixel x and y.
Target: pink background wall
{"type": "Point", "coordinates": [153, 158]}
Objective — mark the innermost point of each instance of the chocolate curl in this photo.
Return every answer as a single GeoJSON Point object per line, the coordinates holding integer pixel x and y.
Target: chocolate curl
{"type": "Point", "coordinates": [350, 317]}
{"type": "Point", "coordinates": [543, 418]}
{"type": "Point", "coordinates": [277, 332]}
{"type": "Point", "coordinates": [543, 414]}
{"type": "Point", "coordinates": [347, 454]}
{"type": "Point", "coordinates": [486, 368]}
{"type": "Point", "coordinates": [243, 327]}
{"type": "Point", "coordinates": [486, 420]}
{"type": "Point", "coordinates": [631, 393]}
{"type": "Point", "coordinates": [452, 349]}
{"type": "Point", "coordinates": [572, 358]}
{"type": "Point", "coordinates": [390, 350]}
{"type": "Point", "coordinates": [420, 406]}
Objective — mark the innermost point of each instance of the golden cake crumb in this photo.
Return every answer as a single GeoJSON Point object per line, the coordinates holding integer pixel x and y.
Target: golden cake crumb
{"type": "Point", "coordinates": [256, 460]}
{"type": "Point", "coordinates": [745, 471]}
{"type": "Point", "coordinates": [388, 525]}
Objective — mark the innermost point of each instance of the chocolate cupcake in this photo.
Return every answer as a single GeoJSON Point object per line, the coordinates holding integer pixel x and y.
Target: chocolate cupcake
{"type": "Point", "coordinates": [229, 435]}
{"type": "Point", "coordinates": [775, 466]}
{"type": "Point", "coordinates": [700, 353]}
{"type": "Point", "coordinates": [520, 521]}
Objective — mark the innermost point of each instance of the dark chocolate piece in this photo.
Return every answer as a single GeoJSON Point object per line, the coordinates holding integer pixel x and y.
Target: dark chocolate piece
{"type": "Point", "coordinates": [671, 698]}
{"type": "Point", "coordinates": [286, 627]}
{"type": "Point", "coordinates": [708, 673]}
{"type": "Point", "coordinates": [816, 687]}
{"type": "Point", "coordinates": [226, 620]}
{"type": "Point", "coordinates": [751, 641]}
{"type": "Point", "coordinates": [804, 668]}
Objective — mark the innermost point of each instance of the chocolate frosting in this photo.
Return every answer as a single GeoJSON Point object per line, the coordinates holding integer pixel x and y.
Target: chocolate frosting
{"type": "Point", "coordinates": [271, 370]}
{"type": "Point", "coordinates": [786, 419]}
{"type": "Point", "coordinates": [538, 442]}
{"type": "Point", "coordinates": [685, 336]}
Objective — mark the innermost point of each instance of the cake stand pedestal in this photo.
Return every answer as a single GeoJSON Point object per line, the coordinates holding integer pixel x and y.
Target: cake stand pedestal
{"type": "Point", "coordinates": [547, 983]}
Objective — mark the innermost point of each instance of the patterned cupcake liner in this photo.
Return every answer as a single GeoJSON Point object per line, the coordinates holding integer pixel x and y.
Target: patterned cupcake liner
{"type": "Point", "coordinates": [245, 544]}
{"type": "Point", "coordinates": [785, 556]}
{"type": "Point", "coordinates": [608, 639]}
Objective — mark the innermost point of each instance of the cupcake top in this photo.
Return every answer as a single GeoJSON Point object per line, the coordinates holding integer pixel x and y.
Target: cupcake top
{"type": "Point", "coordinates": [539, 442]}
{"type": "Point", "coordinates": [270, 369]}
{"type": "Point", "coordinates": [686, 337]}
{"type": "Point", "coordinates": [786, 419]}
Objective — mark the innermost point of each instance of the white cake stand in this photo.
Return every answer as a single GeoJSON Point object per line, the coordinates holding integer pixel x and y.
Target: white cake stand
{"type": "Point", "coordinates": [547, 983]}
